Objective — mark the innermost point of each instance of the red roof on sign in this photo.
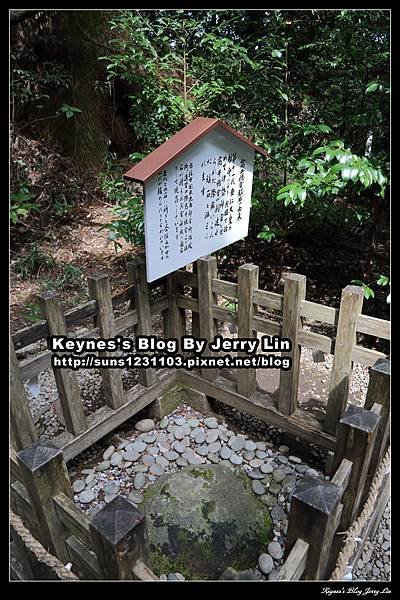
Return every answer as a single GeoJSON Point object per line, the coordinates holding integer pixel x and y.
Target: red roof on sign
{"type": "Point", "coordinates": [178, 143]}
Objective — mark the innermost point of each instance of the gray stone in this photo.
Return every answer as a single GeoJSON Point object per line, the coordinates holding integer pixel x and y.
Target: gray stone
{"type": "Point", "coordinates": [248, 455]}
{"type": "Point", "coordinates": [135, 497]}
{"type": "Point", "coordinates": [274, 549]}
{"type": "Point", "coordinates": [274, 488]}
{"type": "Point", "coordinates": [180, 421]}
{"type": "Point", "coordinates": [181, 462]}
{"type": "Point", "coordinates": [139, 481]}
{"type": "Point", "coordinates": [249, 445]}
{"type": "Point", "coordinates": [139, 469]}
{"type": "Point", "coordinates": [236, 444]}
{"type": "Point", "coordinates": [200, 437]}
{"type": "Point", "coordinates": [235, 459]}
{"type": "Point", "coordinates": [255, 474]}
{"type": "Point", "coordinates": [278, 475]}
{"type": "Point", "coordinates": [257, 487]}
{"type": "Point", "coordinates": [212, 436]}
{"type": "Point", "coordinates": [87, 471]}
{"type": "Point", "coordinates": [153, 450]}
{"type": "Point", "coordinates": [109, 497]}
{"type": "Point", "coordinates": [171, 455]}
{"type": "Point", "coordinates": [161, 460]}
{"type": "Point", "coordinates": [261, 454]}
{"type": "Point", "coordinates": [116, 459]}
{"type": "Point", "coordinates": [178, 447]}
{"type": "Point", "coordinates": [203, 450]}
{"type": "Point", "coordinates": [256, 462]}
{"type": "Point", "coordinates": [213, 458]}
{"type": "Point", "coordinates": [193, 423]}
{"type": "Point", "coordinates": [130, 456]}
{"type": "Point", "coordinates": [110, 489]}
{"type": "Point", "coordinates": [108, 453]}
{"type": "Point", "coordinates": [148, 438]}
{"type": "Point", "coordinates": [78, 485]}
{"type": "Point", "coordinates": [91, 477]}
{"type": "Point", "coordinates": [164, 423]}
{"type": "Point", "coordinates": [156, 469]}
{"type": "Point", "coordinates": [266, 468]}
{"type": "Point", "coordinates": [295, 459]}
{"type": "Point", "coordinates": [282, 458]}
{"type": "Point", "coordinates": [225, 453]}
{"type": "Point", "coordinates": [87, 496]}
{"type": "Point", "coordinates": [195, 431]}
{"type": "Point", "coordinates": [283, 448]}
{"type": "Point", "coordinates": [278, 514]}
{"type": "Point", "coordinates": [195, 459]}
{"type": "Point", "coordinates": [211, 422]}
{"type": "Point", "coordinates": [179, 433]}
{"type": "Point", "coordinates": [261, 446]}
{"type": "Point", "coordinates": [145, 425]}
{"type": "Point", "coordinates": [103, 466]}
{"type": "Point", "coordinates": [232, 525]}
{"type": "Point", "coordinates": [139, 446]}
{"type": "Point", "coordinates": [269, 500]}
{"type": "Point", "coordinates": [148, 459]}
{"type": "Point", "coordinates": [214, 447]}
{"type": "Point", "coordinates": [265, 563]}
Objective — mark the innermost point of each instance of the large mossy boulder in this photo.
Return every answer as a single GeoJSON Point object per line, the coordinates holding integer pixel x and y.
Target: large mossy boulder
{"type": "Point", "coordinates": [203, 519]}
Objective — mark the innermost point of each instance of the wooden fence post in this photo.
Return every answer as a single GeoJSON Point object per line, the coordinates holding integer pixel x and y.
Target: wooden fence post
{"type": "Point", "coordinates": [206, 272]}
{"type": "Point", "coordinates": [23, 431]}
{"type": "Point", "coordinates": [67, 384]}
{"type": "Point", "coordinates": [294, 294]}
{"type": "Point", "coordinates": [313, 518]}
{"type": "Point", "coordinates": [137, 276]}
{"type": "Point", "coordinates": [99, 290]}
{"type": "Point", "coordinates": [247, 283]}
{"type": "Point", "coordinates": [119, 536]}
{"type": "Point", "coordinates": [175, 317]}
{"type": "Point", "coordinates": [350, 307]}
{"type": "Point", "coordinates": [355, 441]}
{"type": "Point", "coordinates": [379, 393]}
{"type": "Point", "coordinates": [195, 315]}
{"type": "Point", "coordinates": [45, 475]}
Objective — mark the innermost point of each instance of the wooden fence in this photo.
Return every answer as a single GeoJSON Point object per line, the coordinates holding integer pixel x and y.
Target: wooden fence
{"type": "Point", "coordinates": [66, 531]}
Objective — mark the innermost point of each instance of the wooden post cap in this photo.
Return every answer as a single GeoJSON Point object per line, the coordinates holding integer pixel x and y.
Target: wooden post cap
{"type": "Point", "coordinates": [320, 494]}
{"type": "Point", "coordinates": [39, 454]}
{"type": "Point", "coordinates": [359, 418]}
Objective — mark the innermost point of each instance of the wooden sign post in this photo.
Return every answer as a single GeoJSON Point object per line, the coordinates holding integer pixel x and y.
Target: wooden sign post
{"type": "Point", "coordinates": [197, 194]}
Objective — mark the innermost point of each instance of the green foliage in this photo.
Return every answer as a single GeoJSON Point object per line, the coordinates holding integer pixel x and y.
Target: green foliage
{"type": "Point", "coordinates": [21, 205]}
{"type": "Point", "coordinates": [129, 224]}
{"type": "Point", "coordinates": [32, 312]}
{"type": "Point", "coordinates": [34, 262]}
{"type": "Point", "coordinates": [68, 111]}
{"type": "Point", "coordinates": [382, 281]}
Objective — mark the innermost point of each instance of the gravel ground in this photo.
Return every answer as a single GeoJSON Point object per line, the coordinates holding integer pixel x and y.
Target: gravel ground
{"type": "Point", "coordinates": [374, 563]}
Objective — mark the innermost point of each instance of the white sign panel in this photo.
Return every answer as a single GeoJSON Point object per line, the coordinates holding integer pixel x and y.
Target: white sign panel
{"type": "Point", "coordinates": [199, 203]}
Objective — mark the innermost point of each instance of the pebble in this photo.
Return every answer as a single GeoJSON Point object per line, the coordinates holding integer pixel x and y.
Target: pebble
{"type": "Point", "coordinates": [212, 436]}
{"type": "Point", "coordinates": [215, 447]}
{"type": "Point", "coordinates": [139, 446]}
{"type": "Point", "coordinates": [110, 489]}
{"type": "Point", "coordinates": [86, 496]}
{"type": "Point", "coordinates": [108, 453]}
{"type": "Point", "coordinates": [156, 469]}
{"type": "Point", "coordinates": [256, 462]}
{"type": "Point", "coordinates": [278, 475]}
{"type": "Point", "coordinates": [108, 498]}
{"type": "Point", "coordinates": [235, 459]}
{"type": "Point", "coordinates": [135, 497]}
{"type": "Point", "coordinates": [193, 423]}
{"type": "Point", "coordinates": [283, 448]}
{"type": "Point", "coordinates": [148, 438]}
{"type": "Point", "coordinates": [213, 458]}
{"type": "Point", "coordinates": [236, 443]}
{"type": "Point", "coordinates": [179, 433]}
{"type": "Point", "coordinates": [160, 460]}
{"type": "Point", "coordinates": [282, 458]}
{"type": "Point", "coordinates": [211, 422]}
{"type": "Point", "coordinates": [78, 485]}
{"type": "Point", "coordinates": [153, 450]}
{"type": "Point", "coordinates": [295, 459]}
{"type": "Point", "coordinates": [203, 450]}
{"type": "Point", "coordinates": [278, 514]}
{"type": "Point", "coordinates": [103, 466]}
{"type": "Point", "coordinates": [145, 425]}
{"type": "Point", "coordinates": [116, 459]}
{"type": "Point", "coordinates": [249, 445]}
{"type": "Point", "coordinates": [257, 487]}
{"type": "Point", "coordinates": [200, 438]}
{"type": "Point", "coordinates": [171, 455]}
{"type": "Point", "coordinates": [255, 474]}
{"type": "Point", "coordinates": [265, 563]}
{"type": "Point", "coordinates": [266, 468]}
{"type": "Point", "coordinates": [248, 455]}
{"type": "Point", "coordinates": [179, 447]}
{"type": "Point", "coordinates": [130, 456]}
{"type": "Point", "coordinates": [181, 462]}
{"type": "Point", "coordinates": [261, 446]}
{"type": "Point", "coordinates": [225, 453]}
{"type": "Point", "coordinates": [91, 477]}
{"type": "Point", "coordinates": [148, 460]}
{"type": "Point", "coordinates": [274, 549]}
{"type": "Point", "coordinates": [139, 481]}
{"type": "Point", "coordinates": [195, 459]}
{"type": "Point", "coordinates": [164, 423]}
{"type": "Point", "coordinates": [139, 468]}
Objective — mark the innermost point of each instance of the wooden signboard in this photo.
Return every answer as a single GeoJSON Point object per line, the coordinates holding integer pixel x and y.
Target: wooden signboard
{"type": "Point", "coordinates": [197, 194]}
